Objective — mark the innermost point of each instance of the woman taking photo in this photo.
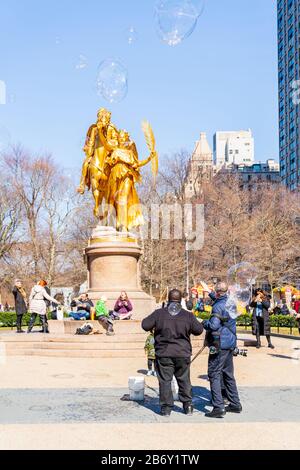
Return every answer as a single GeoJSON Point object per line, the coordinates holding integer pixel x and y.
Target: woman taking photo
{"type": "Point", "coordinates": [260, 317]}
{"type": "Point", "coordinates": [20, 303]}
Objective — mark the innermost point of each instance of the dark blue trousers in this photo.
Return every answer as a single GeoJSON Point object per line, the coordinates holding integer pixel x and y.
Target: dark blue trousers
{"type": "Point", "coordinates": [221, 365]}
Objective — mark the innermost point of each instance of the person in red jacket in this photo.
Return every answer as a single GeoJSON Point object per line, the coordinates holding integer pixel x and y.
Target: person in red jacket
{"type": "Point", "coordinates": [296, 306]}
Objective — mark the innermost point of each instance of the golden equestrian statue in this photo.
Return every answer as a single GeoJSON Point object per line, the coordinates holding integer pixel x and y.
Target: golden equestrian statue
{"type": "Point", "coordinates": [112, 170]}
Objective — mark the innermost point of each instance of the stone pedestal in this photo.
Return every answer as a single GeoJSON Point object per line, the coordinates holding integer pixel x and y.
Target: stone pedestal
{"type": "Point", "coordinates": [113, 263]}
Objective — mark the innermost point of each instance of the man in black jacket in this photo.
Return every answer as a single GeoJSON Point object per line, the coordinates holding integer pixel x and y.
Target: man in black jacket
{"type": "Point", "coordinates": [173, 327]}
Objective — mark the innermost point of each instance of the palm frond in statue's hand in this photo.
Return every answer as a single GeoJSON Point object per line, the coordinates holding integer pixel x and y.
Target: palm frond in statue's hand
{"type": "Point", "coordinates": [150, 140]}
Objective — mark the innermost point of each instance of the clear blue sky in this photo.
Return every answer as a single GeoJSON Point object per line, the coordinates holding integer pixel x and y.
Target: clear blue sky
{"type": "Point", "coordinates": [223, 77]}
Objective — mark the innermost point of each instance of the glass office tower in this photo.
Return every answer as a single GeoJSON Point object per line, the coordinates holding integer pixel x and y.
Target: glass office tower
{"type": "Point", "coordinates": [289, 91]}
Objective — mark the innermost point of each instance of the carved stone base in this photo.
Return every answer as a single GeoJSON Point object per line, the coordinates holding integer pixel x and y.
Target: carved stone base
{"type": "Point", "coordinates": [113, 263]}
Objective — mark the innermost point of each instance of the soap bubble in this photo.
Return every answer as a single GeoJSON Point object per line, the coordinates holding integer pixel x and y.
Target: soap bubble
{"type": "Point", "coordinates": [112, 80]}
{"type": "Point", "coordinates": [241, 277]}
{"type": "Point", "coordinates": [131, 35]}
{"type": "Point", "coordinates": [174, 308]}
{"type": "Point", "coordinates": [243, 274]}
{"type": "Point", "coordinates": [177, 19]}
{"type": "Point", "coordinates": [82, 62]}
{"type": "Point", "coordinates": [238, 299]}
{"type": "Point", "coordinates": [4, 138]}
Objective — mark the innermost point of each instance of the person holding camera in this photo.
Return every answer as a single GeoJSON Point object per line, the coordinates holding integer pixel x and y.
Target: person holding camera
{"type": "Point", "coordinates": [260, 317]}
{"type": "Point", "coordinates": [222, 341]}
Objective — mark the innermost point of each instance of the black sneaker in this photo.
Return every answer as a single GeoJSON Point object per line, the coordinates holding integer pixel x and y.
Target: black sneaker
{"type": "Point", "coordinates": [234, 409]}
{"type": "Point", "coordinates": [165, 411]}
{"type": "Point", "coordinates": [216, 413]}
{"type": "Point", "coordinates": [271, 346]}
{"type": "Point", "coordinates": [188, 410]}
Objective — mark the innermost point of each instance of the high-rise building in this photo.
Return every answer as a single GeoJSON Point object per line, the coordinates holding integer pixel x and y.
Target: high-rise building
{"type": "Point", "coordinates": [289, 91]}
{"type": "Point", "coordinates": [200, 168]}
{"type": "Point", "coordinates": [233, 147]}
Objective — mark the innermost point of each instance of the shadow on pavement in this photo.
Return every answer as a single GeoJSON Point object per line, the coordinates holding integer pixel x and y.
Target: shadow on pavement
{"type": "Point", "coordinates": [281, 356]}
{"type": "Point", "coordinates": [142, 371]}
{"type": "Point", "coordinates": [203, 377]}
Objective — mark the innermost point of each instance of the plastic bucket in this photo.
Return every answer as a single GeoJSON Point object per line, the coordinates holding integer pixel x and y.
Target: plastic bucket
{"type": "Point", "coordinates": [60, 314]}
{"type": "Point", "coordinates": [136, 387]}
{"type": "Point", "coordinates": [175, 389]}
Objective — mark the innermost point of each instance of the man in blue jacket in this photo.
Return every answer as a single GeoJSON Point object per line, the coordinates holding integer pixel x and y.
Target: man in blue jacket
{"type": "Point", "coordinates": [221, 339]}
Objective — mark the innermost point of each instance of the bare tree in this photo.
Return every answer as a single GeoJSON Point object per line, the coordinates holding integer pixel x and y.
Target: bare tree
{"type": "Point", "coordinates": [9, 220]}
{"type": "Point", "coordinates": [30, 178]}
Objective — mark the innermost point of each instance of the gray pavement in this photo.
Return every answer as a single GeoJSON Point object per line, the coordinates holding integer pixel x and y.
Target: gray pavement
{"type": "Point", "coordinates": [112, 405]}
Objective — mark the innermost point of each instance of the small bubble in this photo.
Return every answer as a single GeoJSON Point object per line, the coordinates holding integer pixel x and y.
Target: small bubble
{"type": "Point", "coordinates": [131, 35]}
{"type": "Point", "coordinates": [82, 62]}
{"type": "Point", "coordinates": [112, 80]}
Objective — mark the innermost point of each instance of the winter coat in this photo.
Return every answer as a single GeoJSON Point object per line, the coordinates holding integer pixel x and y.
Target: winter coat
{"type": "Point", "coordinates": [101, 309]}
{"type": "Point", "coordinates": [121, 308]}
{"type": "Point", "coordinates": [172, 334]}
{"type": "Point", "coordinates": [221, 324]}
{"type": "Point", "coordinates": [265, 326]}
{"type": "Point", "coordinates": [20, 304]}
{"type": "Point", "coordinates": [37, 300]}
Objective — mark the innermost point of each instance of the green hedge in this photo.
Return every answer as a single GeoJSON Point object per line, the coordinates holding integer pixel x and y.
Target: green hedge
{"type": "Point", "coordinates": [9, 319]}
{"type": "Point", "coordinates": [282, 321]}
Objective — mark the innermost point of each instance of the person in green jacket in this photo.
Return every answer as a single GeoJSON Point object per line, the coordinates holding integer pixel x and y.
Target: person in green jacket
{"type": "Point", "coordinates": [102, 315]}
{"type": "Point", "coordinates": [150, 352]}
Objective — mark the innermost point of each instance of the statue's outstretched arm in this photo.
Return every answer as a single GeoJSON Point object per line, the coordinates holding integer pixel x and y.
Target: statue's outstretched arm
{"type": "Point", "coordinates": [145, 162]}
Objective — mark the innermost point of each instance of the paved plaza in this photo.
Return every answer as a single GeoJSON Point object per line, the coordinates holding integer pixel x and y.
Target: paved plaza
{"type": "Point", "coordinates": [73, 403]}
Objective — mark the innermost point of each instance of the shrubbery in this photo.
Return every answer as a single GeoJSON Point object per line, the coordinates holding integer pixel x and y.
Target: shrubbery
{"type": "Point", "coordinates": [282, 321]}
{"type": "Point", "coordinates": [9, 319]}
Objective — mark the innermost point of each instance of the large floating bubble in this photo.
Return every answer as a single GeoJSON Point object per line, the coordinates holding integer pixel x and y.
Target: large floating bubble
{"type": "Point", "coordinates": [112, 80]}
{"type": "Point", "coordinates": [243, 274]}
{"type": "Point", "coordinates": [238, 299]}
{"type": "Point", "coordinates": [177, 19]}
{"type": "Point", "coordinates": [241, 277]}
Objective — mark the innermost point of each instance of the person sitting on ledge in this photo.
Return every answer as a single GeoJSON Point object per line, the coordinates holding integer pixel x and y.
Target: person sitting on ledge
{"type": "Point", "coordinates": [123, 308]}
{"type": "Point", "coordinates": [103, 316]}
{"type": "Point", "coordinates": [84, 306]}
